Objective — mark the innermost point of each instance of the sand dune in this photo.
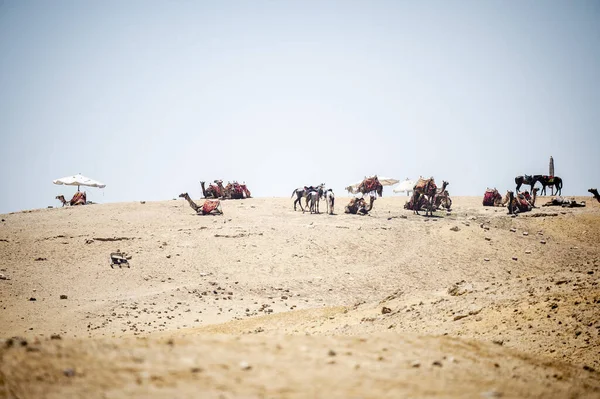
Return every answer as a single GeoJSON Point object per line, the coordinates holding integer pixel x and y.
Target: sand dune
{"type": "Point", "coordinates": [268, 302]}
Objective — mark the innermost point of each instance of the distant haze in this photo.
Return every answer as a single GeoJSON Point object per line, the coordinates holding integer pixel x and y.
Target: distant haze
{"type": "Point", "coordinates": [150, 97]}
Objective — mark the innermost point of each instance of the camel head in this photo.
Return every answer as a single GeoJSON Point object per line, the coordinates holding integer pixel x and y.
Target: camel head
{"type": "Point", "coordinates": [183, 195]}
{"type": "Point", "coordinates": [594, 191]}
{"type": "Point", "coordinates": [444, 184]}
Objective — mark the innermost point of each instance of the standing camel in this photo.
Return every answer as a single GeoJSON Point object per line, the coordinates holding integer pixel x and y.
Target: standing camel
{"type": "Point", "coordinates": [369, 185]}
{"type": "Point", "coordinates": [427, 188]}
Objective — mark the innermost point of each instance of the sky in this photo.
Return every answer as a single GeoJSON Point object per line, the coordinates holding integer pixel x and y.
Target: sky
{"type": "Point", "coordinates": [151, 97]}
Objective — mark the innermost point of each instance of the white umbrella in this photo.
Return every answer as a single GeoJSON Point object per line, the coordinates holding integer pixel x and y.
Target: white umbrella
{"type": "Point", "coordinates": [385, 181]}
{"type": "Point", "coordinates": [78, 180]}
{"type": "Point", "coordinates": [407, 185]}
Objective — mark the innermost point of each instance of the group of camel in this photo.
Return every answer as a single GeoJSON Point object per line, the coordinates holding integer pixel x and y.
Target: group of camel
{"type": "Point", "coordinates": [524, 202]}
{"type": "Point", "coordinates": [230, 191]}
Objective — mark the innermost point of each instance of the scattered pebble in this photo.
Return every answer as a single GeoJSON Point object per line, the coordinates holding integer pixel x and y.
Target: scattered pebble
{"type": "Point", "coordinates": [486, 259]}
{"type": "Point", "coordinates": [245, 365]}
{"type": "Point", "coordinates": [415, 364]}
{"type": "Point", "coordinates": [513, 230]}
{"type": "Point", "coordinates": [69, 372]}
{"type": "Point", "coordinates": [455, 228]}
{"type": "Point", "coordinates": [525, 233]}
{"type": "Point", "coordinates": [385, 310]}
{"type": "Point", "coordinates": [331, 352]}
{"type": "Point", "coordinates": [527, 251]}
{"type": "Point", "coordinates": [515, 258]}
{"type": "Point", "coordinates": [437, 363]}
{"type": "Point", "coordinates": [32, 299]}
{"type": "Point", "coordinates": [542, 241]}
{"type": "Point", "coordinates": [488, 238]}
{"type": "Point", "coordinates": [63, 297]}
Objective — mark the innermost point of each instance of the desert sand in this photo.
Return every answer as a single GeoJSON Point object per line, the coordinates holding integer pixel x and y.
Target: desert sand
{"type": "Point", "coordinates": [265, 302]}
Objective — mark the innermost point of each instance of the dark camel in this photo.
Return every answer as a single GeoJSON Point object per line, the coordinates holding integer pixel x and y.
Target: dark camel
{"type": "Point", "coordinates": [594, 192]}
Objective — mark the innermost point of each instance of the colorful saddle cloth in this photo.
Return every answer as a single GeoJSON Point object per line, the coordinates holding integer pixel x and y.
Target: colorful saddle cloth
{"type": "Point", "coordinates": [490, 197]}
{"type": "Point", "coordinates": [209, 206]}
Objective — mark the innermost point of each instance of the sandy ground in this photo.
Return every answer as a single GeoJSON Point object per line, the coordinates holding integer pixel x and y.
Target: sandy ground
{"type": "Point", "coordinates": [268, 302]}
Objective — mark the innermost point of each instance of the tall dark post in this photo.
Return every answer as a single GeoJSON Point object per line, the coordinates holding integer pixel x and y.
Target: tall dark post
{"type": "Point", "coordinates": [551, 172]}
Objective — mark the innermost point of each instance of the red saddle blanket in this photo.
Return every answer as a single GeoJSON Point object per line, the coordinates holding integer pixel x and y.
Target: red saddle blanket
{"type": "Point", "coordinates": [209, 206]}
{"type": "Point", "coordinates": [489, 197]}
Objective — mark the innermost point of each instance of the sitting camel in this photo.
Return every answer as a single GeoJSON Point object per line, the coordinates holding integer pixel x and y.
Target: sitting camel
{"type": "Point", "coordinates": [442, 199]}
{"type": "Point", "coordinates": [212, 191]}
{"type": "Point", "coordinates": [523, 202]}
{"type": "Point", "coordinates": [359, 206]}
{"type": "Point", "coordinates": [594, 192]}
{"type": "Point", "coordinates": [209, 206]}
{"type": "Point", "coordinates": [565, 202]}
{"type": "Point", "coordinates": [492, 197]}
{"type": "Point", "coordinates": [79, 198]}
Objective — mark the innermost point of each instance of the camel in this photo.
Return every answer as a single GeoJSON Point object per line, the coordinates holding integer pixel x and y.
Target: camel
{"type": "Point", "coordinates": [212, 191]}
{"type": "Point", "coordinates": [207, 208]}
{"type": "Point", "coordinates": [302, 192]}
{"type": "Point", "coordinates": [330, 200]}
{"type": "Point", "coordinates": [552, 181]}
{"type": "Point", "coordinates": [79, 198]}
{"type": "Point", "coordinates": [235, 191]}
{"type": "Point", "coordinates": [528, 180]}
{"type": "Point", "coordinates": [442, 199]}
{"type": "Point", "coordinates": [359, 206]}
{"type": "Point", "coordinates": [61, 198]}
{"type": "Point", "coordinates": [369, 185]}
{"type": "Point", "coordinates": [565, 202]}
{"type": "Point", "coordinates": [523, 202]}
{"type": "Point", "coordinates": [493, 198]}
{"type": "Point", "coordinates": [427, 188]}
{"type": "Point", "coordinates": [594, 192]}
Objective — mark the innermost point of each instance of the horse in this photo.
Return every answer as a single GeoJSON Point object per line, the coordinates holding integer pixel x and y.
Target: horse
{"type": "Point", "coordinates": [303, 192]}
{"type": "Point", "coordinates": [552, 181]}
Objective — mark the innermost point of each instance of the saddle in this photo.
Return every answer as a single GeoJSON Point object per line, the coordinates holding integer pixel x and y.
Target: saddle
{"type": "Point", "coordinates": [427, 186]}
{"type": "Point", "coordinates": [209, 206]}
{"type": "Point", "coordinates": [490, 196]}
{"type": "Point", "coordinates": [371, 184]}
{"type": "Point", "coordinates": [79, 198]}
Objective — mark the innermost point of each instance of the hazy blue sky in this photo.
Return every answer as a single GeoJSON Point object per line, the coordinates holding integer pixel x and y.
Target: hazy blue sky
{"type": "Point", "coordinates": [150, 97]}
